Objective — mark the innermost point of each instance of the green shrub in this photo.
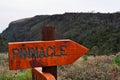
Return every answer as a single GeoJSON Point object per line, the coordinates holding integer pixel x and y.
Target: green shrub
{"type": "Point", "coordinates": [6, 77]}
{"type": "Point", "coordinates": [28, 74]}
{"type": "Point", "coordinates": [25, 75]}
{"type": "Point", "coordinates": [20, 76]}
{"type": "Point", "coordinates": [116, 60]}
{"type": "Point", "coordinates": [85, 57]}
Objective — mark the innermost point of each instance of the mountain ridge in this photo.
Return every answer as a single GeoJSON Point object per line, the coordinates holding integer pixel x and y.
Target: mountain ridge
{"type": "Point", "coordinates": [94, 30]}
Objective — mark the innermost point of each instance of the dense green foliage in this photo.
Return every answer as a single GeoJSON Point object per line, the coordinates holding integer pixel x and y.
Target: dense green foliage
{"type": "Point", "coordinates": [2, 44]}
{"type": "Point", "coordinates": [117, 59]}
{"type": "Point", "coordinates": [100, 32]}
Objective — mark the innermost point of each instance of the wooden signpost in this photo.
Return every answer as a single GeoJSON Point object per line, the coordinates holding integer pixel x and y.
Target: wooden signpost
{"type": "Point", "coordinates": [44, 53]}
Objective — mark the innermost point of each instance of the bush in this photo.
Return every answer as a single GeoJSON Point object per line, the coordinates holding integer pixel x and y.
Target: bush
{"type": "Point", "coordinates": [28, 74]}
{"type": "Point", "coordinates": [25, 75]}
{"type": "Point", "coordinates": [116, 60]}
{"type": "Point", "coordinates": [6, 77]}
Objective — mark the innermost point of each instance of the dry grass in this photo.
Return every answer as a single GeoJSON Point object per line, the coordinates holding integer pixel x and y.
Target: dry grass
{"type": "Point", "coordinates": [92, 68]}
{"type": "Point", "coordinates": [86, 68]}
{"type": "Point", "coordinates": [5, 73]}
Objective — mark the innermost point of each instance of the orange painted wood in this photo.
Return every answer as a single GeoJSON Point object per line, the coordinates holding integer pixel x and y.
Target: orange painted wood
{"type": "Point", "coordinates": [44, 53]}
{"type": "Point", "coordinates": [39, 75]}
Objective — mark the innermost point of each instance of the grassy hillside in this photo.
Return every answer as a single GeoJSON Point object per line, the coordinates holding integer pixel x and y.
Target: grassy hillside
{"type": "Point", "coordinates": [100, 32]}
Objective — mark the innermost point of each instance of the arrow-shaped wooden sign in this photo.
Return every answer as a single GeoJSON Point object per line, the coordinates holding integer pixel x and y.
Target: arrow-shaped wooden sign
{"type": "Point", "coordinates": [44, 53]}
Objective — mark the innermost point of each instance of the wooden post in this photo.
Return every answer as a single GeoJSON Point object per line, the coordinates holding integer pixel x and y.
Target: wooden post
{"type": "Point", "coordinates": [48, 33]}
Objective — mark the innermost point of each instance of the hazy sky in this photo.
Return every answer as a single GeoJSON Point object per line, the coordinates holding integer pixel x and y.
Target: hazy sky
{"type": "Point", "coordinates": [11, 10]}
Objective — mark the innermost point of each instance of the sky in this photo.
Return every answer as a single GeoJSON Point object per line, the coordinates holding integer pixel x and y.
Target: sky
{"type": "Point", "coordinates": [11, 10]}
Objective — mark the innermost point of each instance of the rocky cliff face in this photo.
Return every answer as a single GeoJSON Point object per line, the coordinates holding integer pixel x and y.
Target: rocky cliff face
{"type": "Point", "coordinates": [94, 30]}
